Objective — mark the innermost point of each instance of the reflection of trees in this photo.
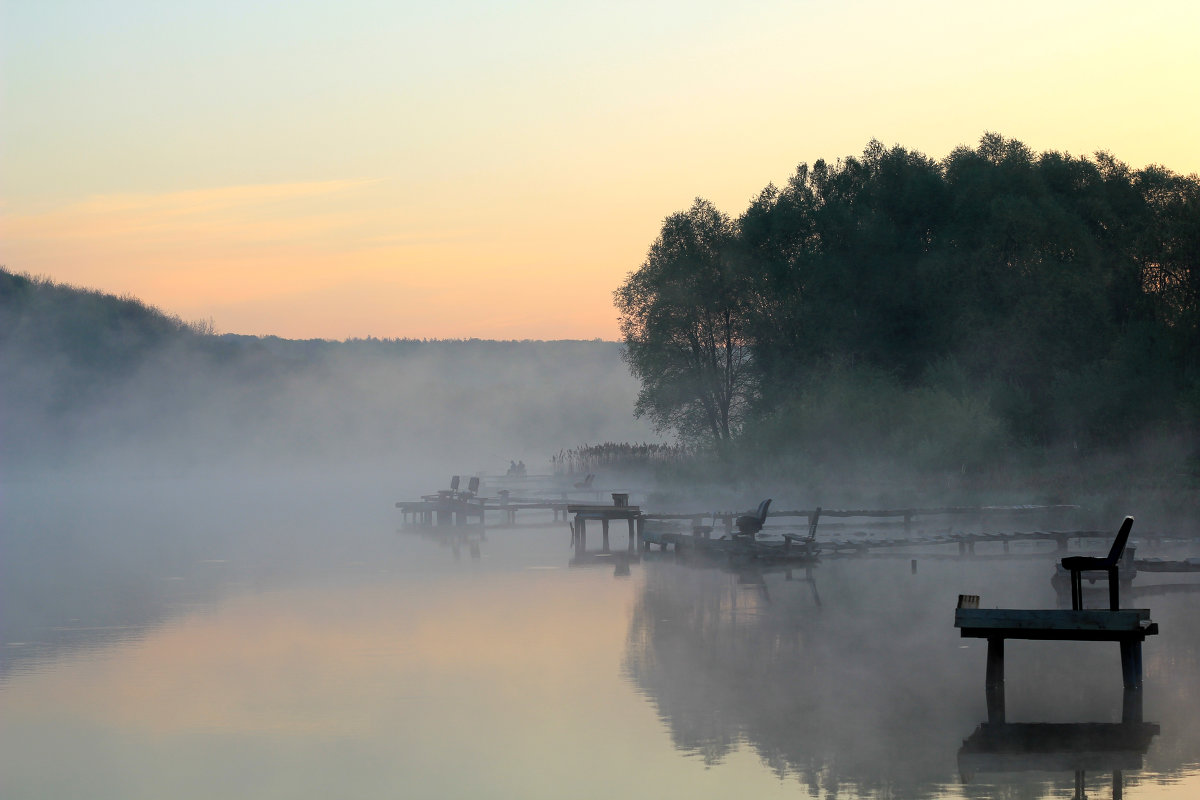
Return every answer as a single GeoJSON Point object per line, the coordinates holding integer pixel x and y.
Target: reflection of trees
{"type": "Point", "coordinates": [726, 665]}
{"type": "Point", "coordinates": [868, 694]}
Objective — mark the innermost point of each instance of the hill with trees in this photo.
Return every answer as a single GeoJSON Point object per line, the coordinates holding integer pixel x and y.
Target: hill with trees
{"type": "Point", "coordinates": [89, 380]}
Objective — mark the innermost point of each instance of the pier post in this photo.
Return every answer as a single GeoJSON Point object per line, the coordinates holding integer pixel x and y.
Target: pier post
{"type": "Point", "coordinates": [632, 534]}
{"type": "Point", "coordinates": [1131, 705]}
{"type": "Point", "coordinates": [1131, 664]}
{"type": "Point", "coordinates": [604, 532]}
{"type": "Point", "coordinates": [994, 687]}
{"type": "Point", "coordinates": [641, 534]}
{"type": "Point", "coordinates": [580, 534]}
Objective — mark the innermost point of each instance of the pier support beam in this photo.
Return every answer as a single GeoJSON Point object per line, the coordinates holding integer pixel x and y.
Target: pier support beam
{"type": "Point", "coordinates": [1131, 664]}
{"type": "Point", "coordinates": [994, 683]}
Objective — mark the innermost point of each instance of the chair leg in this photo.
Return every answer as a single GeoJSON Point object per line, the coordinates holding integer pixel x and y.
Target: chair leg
{"type": "Point", "coordinates": [1114, 589]}
{"type": "Point", "coordinates": [1076, 590]}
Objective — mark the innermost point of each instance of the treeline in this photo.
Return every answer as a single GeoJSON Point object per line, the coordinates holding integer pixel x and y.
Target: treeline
{"type": "Point", "coordinates": [950, 310]}
{"type": "Point", "coordinates": [88, 379]}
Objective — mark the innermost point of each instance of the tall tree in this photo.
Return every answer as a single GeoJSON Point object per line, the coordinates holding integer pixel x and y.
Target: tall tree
{"type": "Point", "coordinates": [683, 322]}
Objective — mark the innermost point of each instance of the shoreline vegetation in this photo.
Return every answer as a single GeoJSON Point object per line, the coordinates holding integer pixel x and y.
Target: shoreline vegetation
{"type": "Point", "coordinates": [997, 317]}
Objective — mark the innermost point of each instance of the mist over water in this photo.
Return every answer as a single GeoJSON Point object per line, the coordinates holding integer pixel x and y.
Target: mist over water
{"type": "Point", "coordinates": [276, 634]}
{"type": "Point", "coordinates": [205, 590]}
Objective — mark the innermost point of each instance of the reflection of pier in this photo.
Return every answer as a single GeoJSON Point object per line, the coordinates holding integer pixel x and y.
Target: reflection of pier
{"type": "Point", "coordinates": [457, 538]}
{"type": "Point", "coordinates": [1077, 747]}
{"type": "Point", "coordinates": [619, 560]}
{"type": "Point", "coordinates": [1049, 747]}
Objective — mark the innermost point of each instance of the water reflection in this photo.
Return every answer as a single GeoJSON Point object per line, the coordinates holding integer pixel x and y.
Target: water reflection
{"type": "Point", "coordinates": [257, 653]}
{"type": "Point", "coordinates": [1078, 748]}
{"type": "Point", "coordinates": [456, 538]}
{"type": "Point", "coordinates": [871, 692]}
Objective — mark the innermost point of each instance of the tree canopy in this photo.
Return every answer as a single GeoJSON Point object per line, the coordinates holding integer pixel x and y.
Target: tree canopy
{"type": "Point", "coordinates": [683, 322]}
{"type": "Point", "coordinates": [1056, 296]}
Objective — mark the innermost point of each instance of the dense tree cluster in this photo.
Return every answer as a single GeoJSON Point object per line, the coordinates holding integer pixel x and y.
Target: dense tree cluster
{"type": "Point", "coordinates": [996, 297]}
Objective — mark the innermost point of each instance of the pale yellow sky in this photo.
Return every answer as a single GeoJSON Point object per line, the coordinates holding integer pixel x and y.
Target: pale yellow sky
{"type": "Point", "coordinates": [495, 169]}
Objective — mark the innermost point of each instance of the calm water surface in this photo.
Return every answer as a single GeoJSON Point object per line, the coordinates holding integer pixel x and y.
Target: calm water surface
{"type": "Point", "coordinates": [184, 641]}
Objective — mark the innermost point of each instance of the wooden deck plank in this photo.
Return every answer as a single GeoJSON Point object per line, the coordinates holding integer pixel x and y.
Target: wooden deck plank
{"type": "Point", "coordinates": [1086, 625]}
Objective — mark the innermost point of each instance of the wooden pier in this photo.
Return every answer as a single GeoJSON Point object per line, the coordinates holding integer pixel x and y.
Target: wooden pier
{"type": "Point", "coordinates": [897, 516]}
{"type": "Point", "coordinates": [460, 511]}
{"type": "Point", "coordinates": [605, 514]}
{"type": "Point", "coordinates": [454, 507]}
{"type": "Point", "coordinates": [1127, 626]}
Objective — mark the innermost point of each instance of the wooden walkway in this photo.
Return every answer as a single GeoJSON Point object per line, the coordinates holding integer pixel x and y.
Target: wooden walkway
{"type": "Point", "coordinates": [897, 516]}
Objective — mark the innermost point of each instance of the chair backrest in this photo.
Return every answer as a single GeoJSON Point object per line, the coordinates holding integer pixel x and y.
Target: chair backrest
{"type": "Point", "coordinates": [813, 519]}
{"type": "Point", "coordinates": [454, 484]}
{"type": "Point", "coordinates": [473, 485]}
{"type": "Point", "coordinates": [1118, 546]}
{"type": "Point", "coordinates": [762, 510]}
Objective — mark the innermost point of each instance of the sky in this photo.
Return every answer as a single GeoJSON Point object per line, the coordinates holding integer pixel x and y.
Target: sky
{"type": "Point", "coordinates": [472, 168]}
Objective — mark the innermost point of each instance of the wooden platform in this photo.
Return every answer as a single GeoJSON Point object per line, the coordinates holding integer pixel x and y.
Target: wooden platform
{"type": "Point", "coordinates": [604, 514]}
{"type": "Point", "coordinates": [1096, 625]}
{"type": "Point", "coordinates": [1128, 627]}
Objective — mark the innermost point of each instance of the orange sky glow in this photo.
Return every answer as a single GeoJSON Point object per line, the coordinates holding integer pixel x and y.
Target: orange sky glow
{"type": "Point", "coordinates": [496, 170]}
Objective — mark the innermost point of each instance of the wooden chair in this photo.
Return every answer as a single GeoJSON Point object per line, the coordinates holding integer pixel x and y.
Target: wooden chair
{"type": "Point", "coordinates": [750, 524]}
{"type": "Point", "coordinates": [809, 542]}
{"type": "Point", "coordinates": [1077, 565]}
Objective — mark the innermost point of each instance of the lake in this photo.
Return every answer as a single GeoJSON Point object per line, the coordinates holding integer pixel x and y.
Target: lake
{"type": "Point", "coordinates": [282, 638]}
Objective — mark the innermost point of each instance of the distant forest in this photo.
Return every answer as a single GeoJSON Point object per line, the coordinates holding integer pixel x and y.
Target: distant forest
{"type": "Point", "coordinates": [950, 315]}
{"type": "Point", "coordinates": [90, 379]}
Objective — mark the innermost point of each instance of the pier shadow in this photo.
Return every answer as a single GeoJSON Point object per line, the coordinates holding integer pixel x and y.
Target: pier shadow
{"type": "Point", "coordinates": [1077, 748]}
{"type": "Point", "coordinates": [458, 539]}
{"type": "Point", "coordinates": [620, 561]}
